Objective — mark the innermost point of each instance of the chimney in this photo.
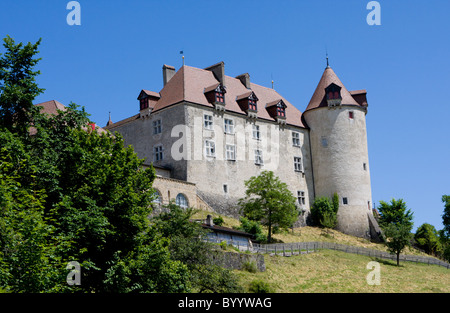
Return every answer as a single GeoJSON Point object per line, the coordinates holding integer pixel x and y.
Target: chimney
{"type": "Point", "coordinates": [218, 71]}
{"type": "Point", "coordinates": [245, 80]}
{"type": "Point", "coordinates": [209, 220]}
{"type": "Point", "coordinates": [168, 72]}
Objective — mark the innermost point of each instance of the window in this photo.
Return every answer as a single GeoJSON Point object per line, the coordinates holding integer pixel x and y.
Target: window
{"type": "Point", "coordinates": [296, 139]}
{"type": "Point", "coordinates": [365, 166]}
{"type": "Point", "coordinates": [333, 95]}
{"type": "Point", "coordinates": [157, 127]}
{"type": "Point", "coordinates": [324, 142]}
{"type": "Point", "coordinates": [225, 188]}
{"type": "Point", "coordinates": [256, 133]}
{"type": "Point", "coordinates": [230, 152]}
{"type": "Point", "coordinates": [143, 103]}
{"type": "Point", "coordinates": [258, 157]}
{"type": "Point", "coordinates": [252, 104]}
{"type": "Point", "coordinates": [344, 200]}
{"type": "Point", "coordinates": [158, 199]}
{"type": "Point", "coordinates": [220, 97]}
{"type": "Point", "coordinates": [210, 148]}
{"type": "Point", "coordinates": [281, 111]}
{"type": "Point", "coordinates": [301, 197]}
{"type": "Point", "coordinates": [228, 126]}
{"type": "Point", "coordinates": [298, 166]}
{"type": "Point", "coordinates": [158, 153]}
{"type": "Point", "coordinates": [181, 201]}
{"type": "Point", "coordinates": [350, 115]}
{"type": "Point", "coordinates": [208, 121]}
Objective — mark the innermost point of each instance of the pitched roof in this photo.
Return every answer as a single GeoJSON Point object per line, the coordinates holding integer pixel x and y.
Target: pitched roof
{"type": "Point", "coordinates": [319, 97]}
{"type": "Point", "coordinates": [189, 83]}
{"type": "Point", "coordinates": [51, 107]}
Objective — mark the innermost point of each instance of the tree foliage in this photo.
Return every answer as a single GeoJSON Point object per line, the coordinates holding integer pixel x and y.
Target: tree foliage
{"type": "Point", "coordinates": [394, 212]}
{"type": "Point", "coordinates": [269, 201]}
{"type": "Point", "coordinates": [398, 238]}
{"type": "Point", "coordinates": [427, 238]}
{"type": "Point", "coordinates": [324, 211]}
{"type": "Point", "coordinates": [446, 215]}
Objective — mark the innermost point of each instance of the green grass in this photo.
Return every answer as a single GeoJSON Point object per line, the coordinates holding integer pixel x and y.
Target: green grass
{"type": "Point", "coordinates": [338, 272]}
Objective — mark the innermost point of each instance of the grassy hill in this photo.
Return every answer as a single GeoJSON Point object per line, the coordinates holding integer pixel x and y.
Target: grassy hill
{"type": "Point", "coordinates": [336, 272]}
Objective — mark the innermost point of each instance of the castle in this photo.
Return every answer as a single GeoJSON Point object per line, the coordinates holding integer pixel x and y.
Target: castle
{"type": "Point", "coordinates": [206, 133]}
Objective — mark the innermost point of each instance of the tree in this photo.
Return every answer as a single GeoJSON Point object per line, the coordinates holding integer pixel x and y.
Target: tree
{"type": "Point", "coordinates": [398, 238]}
{"type": "Point", "coordinates": [427, 238]}
{"type": "Point", "coordinates": [18, 87]}
{"type": "Point", "coordinates": [446, 215]}
{"type": "Point", "coordinates": [395, 212]}
{"type": "Point", "coordinates": [269, 201]}
{"type": "Point", "coordinates": [324, 212]}
{"type": "Point", "coordinates": [186, 246]}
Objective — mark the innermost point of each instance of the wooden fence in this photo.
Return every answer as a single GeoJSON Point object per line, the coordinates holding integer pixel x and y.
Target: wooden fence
{"type": "Point", "coordinates": [296, 248]}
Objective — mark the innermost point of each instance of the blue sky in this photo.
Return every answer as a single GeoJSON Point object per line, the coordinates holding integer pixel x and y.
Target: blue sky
{"type": "Point", "coordinates": [120, 48]}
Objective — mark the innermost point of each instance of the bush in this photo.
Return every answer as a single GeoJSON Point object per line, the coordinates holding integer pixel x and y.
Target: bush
{"type": "Point", "coordinates": [218, 221]}
{"type": "Point", "coordinates": [250, 266]}
{"type": "Point", "coordinates": [324, 213]}
{"type": "Point", "coordinates": [260, 286]}
{"type": "Point", "coordinates": [252, 227]}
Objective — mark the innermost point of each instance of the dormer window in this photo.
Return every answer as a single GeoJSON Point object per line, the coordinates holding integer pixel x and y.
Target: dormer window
{"type": "Point", "coordinates": [147, 100]}
{"type": "Point", "coordinates": [220, 97]}
{"type": "Point", "coordinates": [333, 94]}
{"type": "Point", "coordinates": [252, 105]}
{"type": "Point", "coordinates": [248, 102]}
{"type": "Point", "coordinates": [215, 95]}
{"type": "Point", "coordinates": [277, 110]}
{"type": "Point", "coordinates": [143, 103]}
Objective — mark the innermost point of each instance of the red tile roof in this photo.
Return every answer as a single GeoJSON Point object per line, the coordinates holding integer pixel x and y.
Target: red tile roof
{"type": "Point", "coordinates": [319, 98]}
{"type": "Point", "coordinates": [189, 83]}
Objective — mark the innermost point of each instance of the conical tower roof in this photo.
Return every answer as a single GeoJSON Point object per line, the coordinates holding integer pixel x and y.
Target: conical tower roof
{"type": "Point", "coordinates": [319, 97]}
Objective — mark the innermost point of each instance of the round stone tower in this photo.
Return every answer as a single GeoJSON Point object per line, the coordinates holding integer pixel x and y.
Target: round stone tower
{"type": "Point", "coordinates": [340, 160]}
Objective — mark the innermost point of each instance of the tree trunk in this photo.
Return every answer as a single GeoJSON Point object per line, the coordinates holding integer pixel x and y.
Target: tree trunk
{"type": "Point", "coordinates": [398, 258]}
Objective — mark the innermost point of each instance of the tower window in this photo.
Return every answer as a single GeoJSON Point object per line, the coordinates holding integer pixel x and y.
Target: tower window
{"type": "Point", "coordinates": [345, 200]}
{"type": "Point", "coordinates": [324, 142]}
{"type": "Point", "coordinates": [365, 166]}
{"type": "Point", "coordinates": [350, 115]}
{"type": "Point", "coordinates": [225, 188]}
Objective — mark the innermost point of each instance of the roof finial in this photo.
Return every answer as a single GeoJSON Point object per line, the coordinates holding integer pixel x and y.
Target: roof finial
{"type": "Point", "coordinates": [182, 53]}
{"type": "Point", "coordinates": [109, 121]}
{"type": "Point", "coordinates": [328, 63]}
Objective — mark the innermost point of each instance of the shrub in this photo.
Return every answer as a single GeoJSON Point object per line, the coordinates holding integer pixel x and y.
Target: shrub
{"type": "Point", "coordinates": [323, 212]}
{"type": "Point", "coordinates": [250, 266]}
{"type": "Point", "coordinates": [218, 221]}
{"type": "Point", "coordinates": [260, 286]}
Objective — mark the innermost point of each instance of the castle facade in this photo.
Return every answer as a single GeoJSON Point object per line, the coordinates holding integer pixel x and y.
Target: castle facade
{"type": "Point", "coordinates": [206, 133]}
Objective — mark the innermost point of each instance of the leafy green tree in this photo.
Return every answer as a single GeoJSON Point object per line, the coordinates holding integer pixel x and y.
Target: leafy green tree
{"type": "Point", "coordinates": [324, 212]}
{"type": "Point", "coordinates": [187, 247]}
{"type": "Point", "coordinates": [395, 212]}
{"type": "Point", "coordinates": [269, 201]}
{"type": "Point", "coordinates": [427, 238]}
{"type": "Point", "coordinates": [18, 87]}
{"type": "Point", "coordinates": [252, 227]}
{"type": "Point", "coordinates": [446, 215]}
{"type": "Point", "coordinates": [398, 238]}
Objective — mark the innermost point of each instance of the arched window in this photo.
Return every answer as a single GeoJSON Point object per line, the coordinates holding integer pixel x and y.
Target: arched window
{"type": "Point", "coordinates": [181, 201]}
{"type": "Point", "coordinates": [157, 198]}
